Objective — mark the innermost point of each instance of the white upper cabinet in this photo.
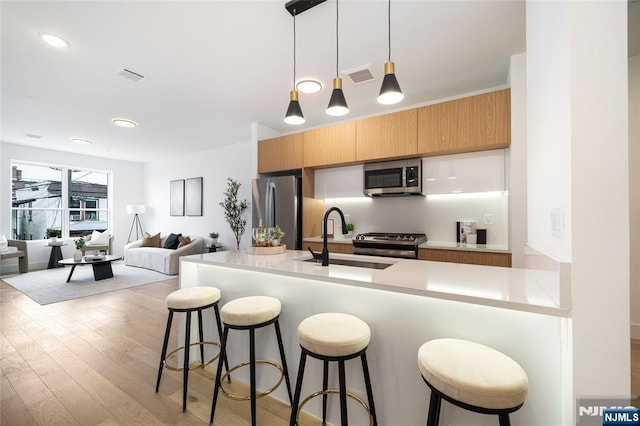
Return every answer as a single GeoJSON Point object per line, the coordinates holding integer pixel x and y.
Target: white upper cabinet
{"type": "Point", "coordinates": [339, 182]}
{"type": "Point", "coordinates": [482, 171]}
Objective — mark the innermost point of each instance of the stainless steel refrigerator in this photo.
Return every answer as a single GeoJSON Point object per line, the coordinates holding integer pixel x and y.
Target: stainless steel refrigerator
{"type": "Point", "coordinates": [278, 201]}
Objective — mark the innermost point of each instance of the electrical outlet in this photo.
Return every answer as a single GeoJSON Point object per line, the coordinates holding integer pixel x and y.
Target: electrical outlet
{"type": "Point", "coordinates": [488, 219]}
{"type": "Point", "coordinates": [557, 222]}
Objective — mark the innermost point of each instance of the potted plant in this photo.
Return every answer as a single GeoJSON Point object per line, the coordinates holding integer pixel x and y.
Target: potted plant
{"type": "Point", "coordinates": [77, 256]}
{"type": "Point", "coordinates": [234, 210]}
{"type": "Point", "coordinates": [214, 238]}
{"type": "Point", "coordinates": [350, 228]}
{"type": "Point", "coordinates": [53, 234]}
{"type": "Point", "coordinates": [276, 235]}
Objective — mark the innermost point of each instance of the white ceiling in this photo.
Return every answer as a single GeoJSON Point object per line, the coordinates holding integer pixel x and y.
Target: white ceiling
{"type": "Point", "coordinates": [214, 67]}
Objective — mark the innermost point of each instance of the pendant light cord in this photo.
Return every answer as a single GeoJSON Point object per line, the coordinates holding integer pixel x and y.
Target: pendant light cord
{"type": "Point", "coordinates": [389, 27]}
{"type": "Point", "coordinates": [294, 49]}
{"type": "Point", "coordinates": [337, 56]}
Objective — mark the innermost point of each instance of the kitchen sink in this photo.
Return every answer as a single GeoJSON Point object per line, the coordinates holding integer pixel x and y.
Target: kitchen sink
{"type": "Point", "coordinates": [354, 263]}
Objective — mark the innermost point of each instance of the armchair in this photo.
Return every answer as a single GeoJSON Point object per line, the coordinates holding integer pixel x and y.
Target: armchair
{"type": "Point", "coordinates": [101, 247]}
{"type": "Point", "coordinates": [20, 252]}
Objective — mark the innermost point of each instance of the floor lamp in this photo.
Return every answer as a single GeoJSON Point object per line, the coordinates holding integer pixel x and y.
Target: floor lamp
{"type": "Point", "coordinates": [135, 210]}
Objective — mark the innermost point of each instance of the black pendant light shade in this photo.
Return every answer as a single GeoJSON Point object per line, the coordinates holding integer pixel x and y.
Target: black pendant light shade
{"type": "Point", "coordinates": [294, 112]}
{"type": "Point", "coordinates": [390, 92]}
{"type": "Point", "coordinates": [337, 104]}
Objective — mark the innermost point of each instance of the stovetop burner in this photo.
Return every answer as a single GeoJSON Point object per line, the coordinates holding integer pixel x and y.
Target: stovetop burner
{"type": "Point", "coordinates": [388, 244]}
{"type": "Point", "coordinates": [384, 237]}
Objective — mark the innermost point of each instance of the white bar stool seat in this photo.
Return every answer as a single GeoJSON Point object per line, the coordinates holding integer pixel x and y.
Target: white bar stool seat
{"type": "Point", "coordinates": [472, 376]}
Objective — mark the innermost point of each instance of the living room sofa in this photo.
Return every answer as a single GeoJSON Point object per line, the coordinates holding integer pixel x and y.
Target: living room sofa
{"type": "Point", "coordinates": [159, 259]}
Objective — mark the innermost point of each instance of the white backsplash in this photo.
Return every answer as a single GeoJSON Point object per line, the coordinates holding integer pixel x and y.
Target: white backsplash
{"type": "Point", "coordinates": [434, 216]}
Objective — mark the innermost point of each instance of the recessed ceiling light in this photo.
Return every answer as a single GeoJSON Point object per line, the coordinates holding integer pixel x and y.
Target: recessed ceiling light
{"type": "Point", "coordinates": [309, 86]}
{"type": "Point", "coordinates": [123, 122]}
{"type": "Point", "coordinates": [54, 40]}
{"type": "Point", "coordinates": [81, 141]}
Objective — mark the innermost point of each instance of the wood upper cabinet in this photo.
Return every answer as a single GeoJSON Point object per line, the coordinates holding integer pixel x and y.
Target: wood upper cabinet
{"type": "Point", "coordinates": [387, 136]}
{"type": "Point", "coordinates": [282, 153]}
{"type": "Point", "coordinates": [330, 145]}
{"type": "Point", "coordinates": [469, 124]}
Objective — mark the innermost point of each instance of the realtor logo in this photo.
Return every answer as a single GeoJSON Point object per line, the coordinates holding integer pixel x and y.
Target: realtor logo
{"type": "Point", "coordinates": [606, 412]}
{"type": "Point", "coordinates": [621, 416]}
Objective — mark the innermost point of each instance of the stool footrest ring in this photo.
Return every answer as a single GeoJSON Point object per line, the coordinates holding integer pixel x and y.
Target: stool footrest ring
{"type": "Point", "coordinates": [259, 395]}
{"type": "Point", "coordinates": [334, 391]}
{"type": "Point", "coordinates": [196, 364]}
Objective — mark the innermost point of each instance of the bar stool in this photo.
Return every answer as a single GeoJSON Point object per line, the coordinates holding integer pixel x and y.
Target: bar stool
{"type": "Point", "coordinates": [333, 337]}
{"type": "Point", "coordinates": [472, 376]}
{"type": "Point", "coordinates": [250, 313]}
{"type": "Point", "coordinates": [189, 300]}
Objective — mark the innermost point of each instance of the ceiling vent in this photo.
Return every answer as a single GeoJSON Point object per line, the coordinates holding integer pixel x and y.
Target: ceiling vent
{"type": "Point", "coordinates": [130, 75]}
{"type": "Point", "coordinates": [360, 74]}
{"type": "Point", "coordinates": [32, 136]}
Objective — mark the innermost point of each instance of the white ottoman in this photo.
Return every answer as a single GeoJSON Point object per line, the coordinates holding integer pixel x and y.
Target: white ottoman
{"type": "Point", "coordinates": [472, 376]}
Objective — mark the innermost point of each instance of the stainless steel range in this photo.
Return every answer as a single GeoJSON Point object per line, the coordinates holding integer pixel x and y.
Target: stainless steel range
{"type": "Point", "coordinates": [390, 245]}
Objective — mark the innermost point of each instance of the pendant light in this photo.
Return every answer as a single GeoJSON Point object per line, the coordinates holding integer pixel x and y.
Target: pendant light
{"type": "Point", "coordinates": [390, 92]}
{"type": "Point", "coordinates": [337, 104]}
{"type": "Point", "coordinates": [294, 112]}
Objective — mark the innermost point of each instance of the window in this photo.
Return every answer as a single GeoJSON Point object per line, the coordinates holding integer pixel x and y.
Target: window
{"type": "Point", "coordinates": [58, 201]}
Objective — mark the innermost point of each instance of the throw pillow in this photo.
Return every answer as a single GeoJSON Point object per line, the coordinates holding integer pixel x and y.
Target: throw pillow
{"type": "Point", "coordinates": [184, 241]}
{"type": "Point", "coordinates": [99, 238]}
{"type": "Point", "coordinates": [151, 240]}
{"type": "Point", "coordinates": [172, 241]}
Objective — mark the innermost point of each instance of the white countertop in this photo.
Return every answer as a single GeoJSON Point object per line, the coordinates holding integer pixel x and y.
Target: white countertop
{"type": "Point", "coordinates": [441, 245]}
{"type": "Point", "coordinates": [516, 289]}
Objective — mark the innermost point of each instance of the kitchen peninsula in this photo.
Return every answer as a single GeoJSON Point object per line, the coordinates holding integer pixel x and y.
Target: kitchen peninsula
{"type": "Point", "coordinates": [516, 311]}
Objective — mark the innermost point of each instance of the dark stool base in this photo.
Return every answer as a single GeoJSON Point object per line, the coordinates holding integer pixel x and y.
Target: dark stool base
{"type": "Point", "coordinates": [187, 338]}
{"type": "Point", "coordinates": [435, 403]}
{"type": "Point", "coordinates": [295, 408]}
{"type": "Point", "coordinates": [252, 365]}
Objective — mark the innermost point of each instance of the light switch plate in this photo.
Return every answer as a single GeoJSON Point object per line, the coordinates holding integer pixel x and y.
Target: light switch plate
{"type": "Point", "coordinates": [557, 222]}
{"type": "Point", "coordinates": [488, 219]}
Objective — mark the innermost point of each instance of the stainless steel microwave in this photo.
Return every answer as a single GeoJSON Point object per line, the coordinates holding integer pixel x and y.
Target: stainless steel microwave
{"type": "Point", "coordinates": [392, 178]}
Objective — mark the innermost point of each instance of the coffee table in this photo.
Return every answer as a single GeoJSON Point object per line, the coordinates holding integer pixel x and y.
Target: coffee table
{"type": "Point", "coordinates": [101, 268]}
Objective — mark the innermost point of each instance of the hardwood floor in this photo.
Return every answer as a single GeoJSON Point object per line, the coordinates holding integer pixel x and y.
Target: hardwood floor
{"type": "Point", "coordinates": [93, 361]}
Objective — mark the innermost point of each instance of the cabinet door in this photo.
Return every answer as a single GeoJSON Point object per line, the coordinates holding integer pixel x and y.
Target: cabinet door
{"type": "Point", "coordinates": [443, 127]}
{"type": "Point", "coordinates": [387, 136]}
{"type": "Point", "coordinates": [490, 120]}
{"type": "Point", "coordinates": [470, 124]}
{"type": "Point", "coordinates": [330, 145]}
{"type": "Point", "coordinates": [282, 153]}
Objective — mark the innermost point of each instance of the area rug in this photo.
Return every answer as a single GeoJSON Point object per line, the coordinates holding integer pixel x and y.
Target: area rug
{"type": "Point", "coordinates": [51, 286]}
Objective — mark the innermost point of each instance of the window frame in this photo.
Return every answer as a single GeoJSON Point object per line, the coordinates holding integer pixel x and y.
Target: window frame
{"type": "Point", "coordinates": [65, 209]}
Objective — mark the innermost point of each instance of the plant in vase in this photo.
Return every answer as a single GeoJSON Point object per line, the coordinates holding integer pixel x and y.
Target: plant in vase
{"type": "Point", "coordinates": [234, 210]}
{"type": "Point", "coordinates": [350, 228]}
{"type": "Point", "coordinates": [77, 256]}
{"type": "Point", "coordinates": [277, 234]}
{"type": "Point", "coordinates": [214, 238]}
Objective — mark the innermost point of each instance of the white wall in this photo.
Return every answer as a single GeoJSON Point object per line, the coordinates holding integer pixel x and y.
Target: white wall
{"type": "Point", "coordinates": [634, 190]}
{"type": "Point", "coordinates": [214, 166]}
{"type": "Point", "coordinates": [127, 189]}
{"type": "Point", "coordinates": [577, 147]}
{"type": "Point", "coordinates": [517, 160]}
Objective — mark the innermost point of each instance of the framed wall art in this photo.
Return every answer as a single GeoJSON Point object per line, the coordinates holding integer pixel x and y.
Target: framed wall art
{"type": "Point", "coordinates": [176, 197]}
{"type": "Point", "coordinates": [193, 197]}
